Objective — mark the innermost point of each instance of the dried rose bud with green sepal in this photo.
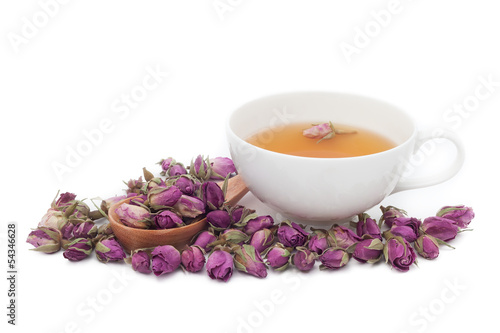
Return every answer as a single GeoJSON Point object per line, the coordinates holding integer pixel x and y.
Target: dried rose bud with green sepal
{"type": "Point", "coordinates": [368, 250]}
{"type": "Point", "coordinates": [278, 256]}
{"type": "Point", "coordinates": [398, 252]}
{"type": "Point", "coordinates": [108, 249]}
{"type": "Point", "coordinates": [248, 260]}
{"type": "Point", "coordinates": [46, 240]}
{"type": "Point", "coordinates": [134, 216]}
{"type": "Point", "coordinates": [333, 258]}
{"type": "Point", "coordinates": [460, 214]}
{"type": "Point", "coordinates": [389, 213]}
{"type": "Point", "coordinates": [303, 259]}
{"type": "Point", "coordinates": [78, 249]}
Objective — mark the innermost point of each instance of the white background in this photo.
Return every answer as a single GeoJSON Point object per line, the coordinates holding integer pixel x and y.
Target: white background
{"type": "Point", "coordinates": [68, 75]}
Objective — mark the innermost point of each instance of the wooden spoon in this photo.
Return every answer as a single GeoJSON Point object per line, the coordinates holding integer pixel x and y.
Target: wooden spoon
{"type": "Point", "coordinates": [133, 238]}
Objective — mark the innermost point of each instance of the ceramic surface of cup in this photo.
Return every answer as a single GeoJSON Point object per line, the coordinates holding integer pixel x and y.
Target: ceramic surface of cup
{"type": "Point", "coordinates": [322, 190]}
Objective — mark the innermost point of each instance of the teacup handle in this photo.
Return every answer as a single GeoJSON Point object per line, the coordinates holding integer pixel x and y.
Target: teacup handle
{"type": "Point", "coordinates": [408, 183]}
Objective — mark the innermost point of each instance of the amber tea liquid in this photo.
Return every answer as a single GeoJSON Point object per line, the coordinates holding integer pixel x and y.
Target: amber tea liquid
{"type": "Point", "coordinates": [289, 140]}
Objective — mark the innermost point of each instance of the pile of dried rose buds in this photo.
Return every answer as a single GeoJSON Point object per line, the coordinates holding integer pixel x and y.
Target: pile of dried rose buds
{"type": "Point", "coordinates": [237, 237]}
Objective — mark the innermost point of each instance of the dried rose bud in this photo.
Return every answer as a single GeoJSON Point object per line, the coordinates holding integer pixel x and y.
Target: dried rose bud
{"type": "Point", "coordinates": [333, 258]}
{"type": "Point", "coordinates": [163, 197]}
{"type": "Point", "coordinates": [278, 256]}
{"type": "Point", "coordinates": [134, 216]}
{"type": "Point", "coordinates": [398, 252]}
{"type": "Point", "coordinates": [200, 168]}
{"type": "Point", "coordinates": [63, 200]}
{"type": "Point", "coordinates": [186, 185]}
{"type": "Point", "coordinates": [221, 168]}
{"type": "Point", "coordinates": [406, 227]}
{"type": "Point", "coordinates": [188, 206]}
{"type": "Point", "coordinates": [219, 219]}
{"type": "Point", "coordinates": [440, 227]}
{"type": "Point", "coordinates": [318, 241]}
{"type": "Point", "coordinates": [139, 200]}
{"type": "Point", "coordinates": [141, 261]}
{"type": "Point", "coordinates": [367, 226]}
{"type": "Point", "coordinates": [104, 231]}
{"type": "Point", "coordinates": [166, 220]}
{"type": "Point", "coordinates": [257, 223]}
{"type": "Point", "coordinates": [368, 250]}
{"type": "Point", "coordinates": [193, 258]}
{"type": "Point", "coordinates": [135, 186]}
{"type": "Point", "coordinates": [154, 183]}
{"type": "Point", "coordinates": [303, 259]}
{"type": "Point", "coordinates": [205, 238]}
{"type": "Point", "coordinates": [78, 249]}
{"type": "Point", "coordinates": [165, 165]}
{"type": "Point", "coordinates": [239, 214]}
{"type": "Point", "coordinates": [165, 259]}
{"type": "Point", "coordinates": [85, 229]}
{"type": "Point", "coordinates": [427, 246]}
{"type": "Point", "coordinates": [340, 236]}
{"type": "Point", "coordinates": [461, 215]}
{"type": "Point", "coordinates": [70, 206]}
{"type": "Point", "coordinates": [108, 249]}
{"type": "Point", "coordinates": [262, 240]}
{"type": "Point", "coordinates": [247, 259]}
{"type": "Point", "coordinates": [213, 196]}
{"type": "Point", "coordinates": [105, 204]}
{"type": "Point", "coordinates": [66, 233]}
{"type": "Point", "coordinates": [220, 265]}
{"type": "Point", "coordinates": [177, 169]}
{"type": "Point", "coordinates": [389, 213]}
{"type": "Point", "coordinates": [47, 240]}
{"type": "Point", "coordinates": [321, 131]}
{"type": "Point", "coordinates": [54, 218]}
{"type": "Point", "coordinates": [291, 234]}
{"type": "Point", "coordinates": [234, 236]}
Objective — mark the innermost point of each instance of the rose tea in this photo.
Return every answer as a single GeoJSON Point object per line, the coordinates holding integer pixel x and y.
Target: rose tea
{"type": "Point", "coordinates": [339, 141]}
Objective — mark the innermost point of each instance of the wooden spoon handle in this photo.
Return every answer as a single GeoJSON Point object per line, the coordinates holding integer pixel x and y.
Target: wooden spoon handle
{"type": "Point", "coordinates": [236, 189]}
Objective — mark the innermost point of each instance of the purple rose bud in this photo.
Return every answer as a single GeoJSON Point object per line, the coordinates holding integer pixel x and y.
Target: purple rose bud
{"type": "Point", "coordinates": [108, 249]}
{"type": "Point", "coordinates": [367, 226]}
{"type": "Point", "coordinates": [47, 240]}
{"type": "Point", "coordinates": [78, 249]}
{"type": "Point", "coordinates": [66, 233]}
{"type": "Point", "coordinates": [213, 196]}
{"type": "Point", "coordinates": [205, 238]}
{"type": "Point", "coordinates": [165, 259]}
{"type": "Point", "coordinates": [176, 169]}
{"type": "Point", "coordinates": [186, 185]}
{"type": "Point", "coordinates": [291, 234]}
{"type": "Point", "coordinates": [154, 183]}
{"type": "Point", "coordinates": [262, 239]}
{"type": "Point", "coordinates": [236, 213]}
{"type": "Point", "coordinates": [193, 258]}
{"type": "Point", "coordinates": [461, 215]}
{"type": "Point", "coordinates": [340, 236]}
{"type": "Point", "coordinates": [333, 258]}
{"type": "Point", "coordinates": [105, 204]}
{"type": "Point", "coordinates": [318, 241]}
{"type": "Point", "coordinates": [220, 265]}
{"type": "Point", "coordinates": [200, 166]}
{"type": "Point", "coordinates": [399, 253]}
{"type": "Point", "coordinates": [304, 259]}
{"type": "Point", "coordinates": [389, 213]}
{"type": "Point", "coordinates": [166, 220]}
{"type": "Point", "coordinates": [440, 227]}
{"type": "Point", "coordinates": [165, 164]}
{"type": "Point", "coordinates": [247, 259]}
{"type": "Point", "coordinates": [188, 206]}
{"type": "Point", "coordinates": [368, 250]}
{"type": "Point", "coordinates": [63, 200]}
{"type": "Point", "coordinates": [163, 197]}
{"type": "Point", "coordinates": [135, 186]}
{"type": "Point", "coordinates": [85, 229]}
{"type": "Point", "coordinates": [219, 219]}
{"type": "Point", "coordinates": [134, 216]}
{"type": "Point", "coordinates": [221, 167]}
{"type": "Point", "coordinates": [427, 246]}
{"type": "Point", "coordinates": [258, 223]}
{"type": "Point", "coordinates": [234, 236]}
{"type": "Point", "coordinates": [278, 257]}
{"type": "Point", "coordinates": [406, 227]}
{"type": "Point", "coordinates": [141, 261]}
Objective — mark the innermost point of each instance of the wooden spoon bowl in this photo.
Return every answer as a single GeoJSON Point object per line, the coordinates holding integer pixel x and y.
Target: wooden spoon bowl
{"type": "Point", "coordinates": [133, 238]}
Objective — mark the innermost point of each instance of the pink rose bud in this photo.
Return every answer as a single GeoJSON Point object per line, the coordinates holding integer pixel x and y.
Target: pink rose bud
{"type": "Point", "coordinates": [205, 238]}
{"type": "Point", "coordinates": [278, 256]}
{"type": "Point", "coordinates": [47, 240]}
{"type": "Point", "coordinates": [108, 249]}
{"type": "Point", "coordinates": [291, 234]}
{"type": "Point", "coordinates": [166, 220]}
{"type": "Point", "coordinates": [367, 226]}
{"type": "Point", "coordinates": [177, 169]}
{"type": "Point", "coordinates": [221, 168]}
{"type": "Point", "coordinates": [427, 246]}
{"type": "Point", "coordinates": [220, 265]}
{"type": "Point", "coordinates": [163, 197]}
{"type": "Point", "coordinates": [219, 219]}
{"type": "Point", "coordinates": [68, 204]}
{"type": "Point", "coordinates": [188, 206]}
{"type": "Point", "coordinates": [165, 165]}
{"type": "Point", "coordinates": [78, 249]}
{"type": "Point", "coordinates": [141, 261]}
{"type": "Point", "coordinates": [135, 186]}
{"type": "Point", "coordinates": [66, 233]}
{"type": "Point", "coordinates": [262, 239]}
{"type": "Point", "coordinates": [257, 223]}
{"type": "Point", "coordinates": [134, 216]}
{"type": "Point", "coordinates": [398, 252]}
{"type": "Point", "coordinates": [85, 229]}
{"type": "Point", "coordinates": [165, 259]}
{"type": "Point", "coordinates": [200, 168]}
{"type": "Point", "coordinates": [187, 185]}
{"type": "Point", "coordinates": [64, 200]}
{"type": "Point", "coordinates": [389, 213]}
{"type": "Point", "coordinates": [368, 250]}
{"type": "Point", "coordinates": [340, 236]}
{"type": "Point", "coordinates": [440, 227]}
{"type": "Point", "coordinates": [333, 258]}
{"type": "Point", "coordinates": [406, 227]}
{"type": "Point", "coordinates": [247, 259]}
{"type": "Point", "coordinates": [54, 218]}
{"type": "Point", "coordinates": [213, 196]}
{"type": "Point", "coordinates": [318, 241]}
{"type": "Point", "coordinates": [319, 131]}
{"type": "Point", "coordinates": [461, 215]}
{"type": "Point", "coordinates": [105, 204]}
{"type": "Point", "coordinates": [303, 259]}
{"type": "Point", "coordinates": [193, 258]}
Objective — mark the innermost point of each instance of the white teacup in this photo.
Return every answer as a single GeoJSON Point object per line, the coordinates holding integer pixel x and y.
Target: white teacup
{"type": "Point", "coordinates": [323, 190]}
